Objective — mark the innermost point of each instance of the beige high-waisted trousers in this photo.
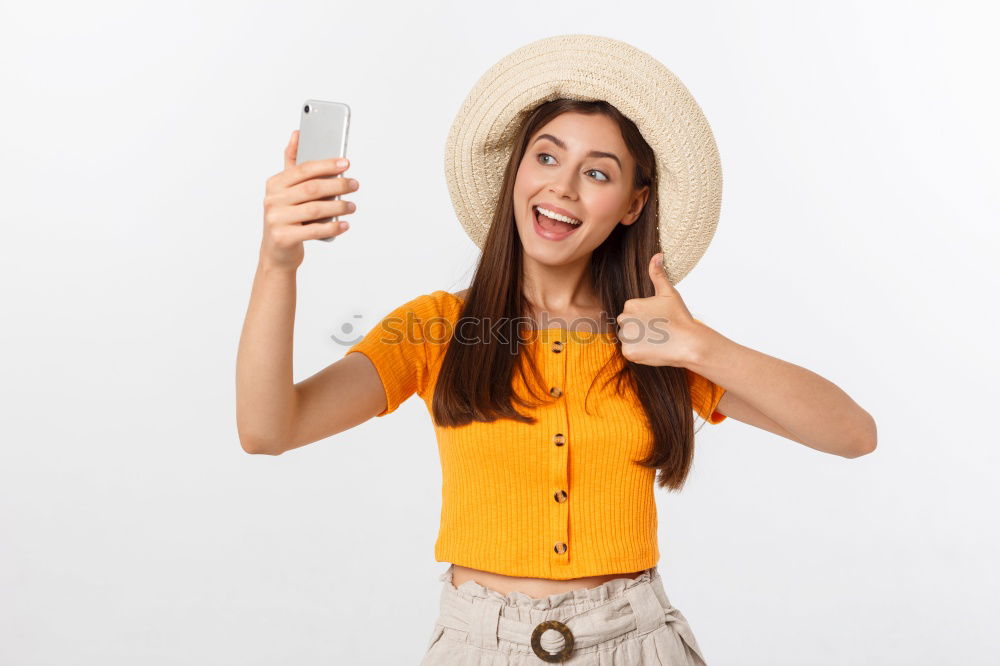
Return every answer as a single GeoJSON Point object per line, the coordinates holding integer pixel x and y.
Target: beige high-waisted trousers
{"type": "Point", "coordinates": [623, 622]}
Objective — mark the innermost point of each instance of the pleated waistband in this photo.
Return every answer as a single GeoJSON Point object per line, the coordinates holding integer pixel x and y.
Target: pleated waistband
{"type": "Point", "coordinates": [593, 615]}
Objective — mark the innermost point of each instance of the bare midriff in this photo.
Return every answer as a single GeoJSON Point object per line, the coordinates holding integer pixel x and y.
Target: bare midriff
{"type": "Point", "coordinates": [536, 588]}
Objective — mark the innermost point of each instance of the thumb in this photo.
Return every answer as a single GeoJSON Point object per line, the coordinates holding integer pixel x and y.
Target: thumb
{"type": "Point", "coordinates": [292, 149]}
{"type": "Point", "coordinates": [658, 275]}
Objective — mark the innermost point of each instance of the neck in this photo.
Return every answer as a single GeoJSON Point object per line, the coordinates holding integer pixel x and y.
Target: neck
{"type": "Point", "coordinates": [563, 288]}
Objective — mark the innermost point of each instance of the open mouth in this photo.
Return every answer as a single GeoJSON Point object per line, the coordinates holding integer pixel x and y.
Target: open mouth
{"type": "Point", "coordinates": [550, 228]}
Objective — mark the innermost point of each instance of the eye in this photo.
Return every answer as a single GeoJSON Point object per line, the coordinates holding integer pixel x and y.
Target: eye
{"type": "Point", "coordinates": [606, 178]}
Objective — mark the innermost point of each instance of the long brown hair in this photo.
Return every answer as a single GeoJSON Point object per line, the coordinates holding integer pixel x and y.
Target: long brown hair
{"type": "Point", "coordinates": [476, 380]}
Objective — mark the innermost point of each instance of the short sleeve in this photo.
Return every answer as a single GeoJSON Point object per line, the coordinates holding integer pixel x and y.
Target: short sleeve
{"type": "Point", "coordinates": [395, 346]}
{"type": "Point", "coordinates": [705, 397]}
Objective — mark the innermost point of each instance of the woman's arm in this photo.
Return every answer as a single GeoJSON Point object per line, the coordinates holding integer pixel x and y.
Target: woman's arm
{"type": "Point", "coordinates": [266, 399]}
{"type": "Point", "coordinates": [265, 394]}
{"type": "Point", "coordinates": [760, 390]}
{"type": "Point", "coordinates": [782, 397]}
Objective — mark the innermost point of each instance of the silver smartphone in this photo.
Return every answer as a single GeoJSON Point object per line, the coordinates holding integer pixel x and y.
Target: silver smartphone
{"type": "Point", "coordinates": [322, 136]}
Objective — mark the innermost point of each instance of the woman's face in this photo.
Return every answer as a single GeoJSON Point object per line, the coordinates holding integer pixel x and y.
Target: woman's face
{"type": "Point", "coordinates": [558, 171]}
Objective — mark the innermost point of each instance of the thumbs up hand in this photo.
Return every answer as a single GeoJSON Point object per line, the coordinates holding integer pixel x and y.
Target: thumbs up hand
{"type": "Point", "coordinates": [659, 330]}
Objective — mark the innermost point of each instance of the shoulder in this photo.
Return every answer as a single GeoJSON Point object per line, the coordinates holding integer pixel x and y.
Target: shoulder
{"type": "Point", "coordinates": [430, 308]}
{"type": "Point", "coordinates": [435, 301]}
{"type": "Point", "coordinates": [423, 318]}
{"type": "Point", "coordinates": [446, 304]}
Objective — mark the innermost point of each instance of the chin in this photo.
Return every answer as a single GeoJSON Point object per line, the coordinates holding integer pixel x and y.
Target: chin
{"type": "Point", "coordinates": [547, 256]}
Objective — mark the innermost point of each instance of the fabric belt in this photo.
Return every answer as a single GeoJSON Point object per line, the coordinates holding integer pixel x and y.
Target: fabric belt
{"type": "Point", "coordinates": [638, 608]}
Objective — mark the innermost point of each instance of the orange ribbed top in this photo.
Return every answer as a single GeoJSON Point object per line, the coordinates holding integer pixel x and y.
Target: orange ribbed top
{"type": "Point", "coordinates": [557, 499]}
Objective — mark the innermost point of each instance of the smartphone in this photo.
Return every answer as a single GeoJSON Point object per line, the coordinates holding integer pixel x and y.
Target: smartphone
{"type": "Point", "coordinates": [322, 136]}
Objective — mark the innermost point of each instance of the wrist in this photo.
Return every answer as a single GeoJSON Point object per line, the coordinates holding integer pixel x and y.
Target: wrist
{"type": "Point", "coordinates": [708, 346]}
{"type": "Point", "coordinates": [269, 267]}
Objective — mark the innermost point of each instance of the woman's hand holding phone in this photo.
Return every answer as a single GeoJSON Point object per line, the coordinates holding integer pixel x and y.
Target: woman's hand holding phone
{"type": "Point", "coordinates": [295, 196]}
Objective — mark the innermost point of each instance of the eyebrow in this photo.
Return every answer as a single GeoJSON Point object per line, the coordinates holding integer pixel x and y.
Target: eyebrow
{"type": "Point", "coordinates": [593, 153]}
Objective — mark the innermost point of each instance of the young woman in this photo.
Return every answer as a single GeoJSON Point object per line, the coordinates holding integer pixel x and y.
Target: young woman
{"type": "Point", "coordinates": [562, 382]}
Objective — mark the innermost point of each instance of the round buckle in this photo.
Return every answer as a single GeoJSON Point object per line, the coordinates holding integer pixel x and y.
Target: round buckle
{"type": "Point", "coordinates": [536, 641]}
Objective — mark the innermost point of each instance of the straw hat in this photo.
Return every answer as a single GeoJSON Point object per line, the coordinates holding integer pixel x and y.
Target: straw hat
{"type": "Point", "coordinates": [590, 67]}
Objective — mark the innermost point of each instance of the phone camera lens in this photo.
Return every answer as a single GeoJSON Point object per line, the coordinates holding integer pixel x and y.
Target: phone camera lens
{"type": "Point", "coordinates": [307, 108]}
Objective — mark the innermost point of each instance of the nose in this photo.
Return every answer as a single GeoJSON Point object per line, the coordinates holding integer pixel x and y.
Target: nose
{"type": "Point", "coordinates": [563, 186]}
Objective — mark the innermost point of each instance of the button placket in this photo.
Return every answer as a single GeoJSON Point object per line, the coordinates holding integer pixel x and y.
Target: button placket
{"type": "Point", "coordinates": [558, 356]}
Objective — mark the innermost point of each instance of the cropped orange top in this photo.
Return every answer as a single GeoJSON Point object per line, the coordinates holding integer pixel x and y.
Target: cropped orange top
{"type": "Point", "coordinates": [558, 499]}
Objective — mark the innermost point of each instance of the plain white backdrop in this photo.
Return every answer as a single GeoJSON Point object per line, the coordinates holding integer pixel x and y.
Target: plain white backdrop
{"type": "Point", "coordinates": [858, 238]}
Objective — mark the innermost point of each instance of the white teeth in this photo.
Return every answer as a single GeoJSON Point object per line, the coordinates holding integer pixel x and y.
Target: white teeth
{"type": "Point", "coordinates": [557, 216]}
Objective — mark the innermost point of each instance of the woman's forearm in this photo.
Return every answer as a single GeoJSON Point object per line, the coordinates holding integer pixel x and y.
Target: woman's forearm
{"type": "Point", "coordinates": [265, 392]}
{"type": "Point", "coordinates": [813, 408]}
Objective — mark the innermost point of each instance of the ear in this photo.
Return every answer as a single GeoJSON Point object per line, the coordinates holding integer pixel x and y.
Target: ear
{"type": "Point", "coordinates": [639, 200]}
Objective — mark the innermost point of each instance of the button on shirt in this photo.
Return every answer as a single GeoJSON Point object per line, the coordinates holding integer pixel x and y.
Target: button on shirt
{"type": "Point", "coordinates": [558, 499]}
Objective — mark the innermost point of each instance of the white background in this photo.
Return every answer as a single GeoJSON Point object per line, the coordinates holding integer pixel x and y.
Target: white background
{"type": "Point", "coordinates": [858, 238]}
